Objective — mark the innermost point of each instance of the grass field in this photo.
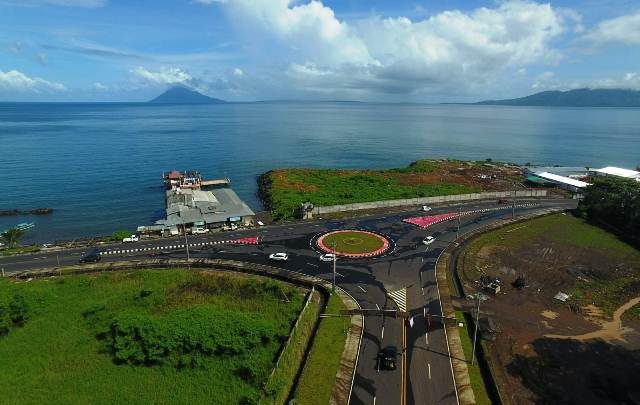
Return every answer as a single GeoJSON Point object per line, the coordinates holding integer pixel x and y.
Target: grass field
{"type": "Point", "coordinates": [353, 242]}
{"type": "Point", "coordinates": [148, 336]}
{"type": "Point", "coordinates": [318, 376]}
{"type": "Point", "coordinates": [284, 189]}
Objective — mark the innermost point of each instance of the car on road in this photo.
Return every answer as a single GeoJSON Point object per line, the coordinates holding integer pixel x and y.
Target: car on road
{"type": "Point", "coordinates": [503, 201]}
{"type": "Point", "coordinates": [131, 239]}
{"type": "Point", "coordinates": [327, 257]}
{"type": "Point", "coordinates": [92, 256]}
{"type": "Point", "coordinates": [387, 358]}
{"type": "Point", "coordinates": [428, 240]}
{"type": "Point", "coordinates": [279, 256]}
{"type": "Point", "coordinates": [426, 208]}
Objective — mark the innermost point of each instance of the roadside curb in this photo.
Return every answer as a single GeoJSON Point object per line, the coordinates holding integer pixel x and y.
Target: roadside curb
{"type": "Point", "coordinates": [345, 377]}
{"type": "Point", "coordinates": [458, 361]}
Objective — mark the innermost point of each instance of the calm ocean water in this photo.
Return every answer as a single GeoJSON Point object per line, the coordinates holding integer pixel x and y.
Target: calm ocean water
{"type": "Point", "coordinates": [100, 165]}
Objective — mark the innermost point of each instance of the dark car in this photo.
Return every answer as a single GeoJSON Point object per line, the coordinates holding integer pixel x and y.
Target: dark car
{"type": "Point", "coordinates": [92, 256]}
{"type": "Point", "coordinates": [387, 358]}
{"type": "Point", "coordinates": [503, 201]}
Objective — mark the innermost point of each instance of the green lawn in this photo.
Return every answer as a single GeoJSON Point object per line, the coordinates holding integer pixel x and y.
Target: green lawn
{"type": "Point", "coordinates": [353, 242]}
{"type": "Point", "coordinates": [322, 364]}
{"type": "Point", "coordinates": [475, 376]}
{"type": "Point", "coordinates": [20, 250]}
{"type": "Point", "coordinates": [290, 187]}
{"type": "Point", "coordinates": [139, 337]}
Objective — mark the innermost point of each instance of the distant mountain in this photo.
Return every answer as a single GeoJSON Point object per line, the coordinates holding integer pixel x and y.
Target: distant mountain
{"type": "Point", "coordinates": [183, 95]}
{"type": "Point", "coordinates": [575, 98]}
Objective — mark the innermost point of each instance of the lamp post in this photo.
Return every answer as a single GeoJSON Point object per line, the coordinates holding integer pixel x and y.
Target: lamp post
{"type": "Point", "coordinates": [186, 243]}
{"type": "Point", "coordinates": [458, 230]}
{"type": "Point", "coordinates": [475, 333]}
{"type": "Point", "coordinates": [513, 205]}
{"type": "Point", "coordinates": [333, 285]}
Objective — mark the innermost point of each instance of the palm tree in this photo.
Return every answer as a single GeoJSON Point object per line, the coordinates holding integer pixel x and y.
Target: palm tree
{"type": "Point", "coordinates": [12, 236]}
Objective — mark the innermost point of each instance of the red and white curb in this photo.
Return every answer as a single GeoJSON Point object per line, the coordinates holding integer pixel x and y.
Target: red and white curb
{"type": "Point", "coordinates": [242, 241]}
{"type": "Point", "coordinates": [427, 221]}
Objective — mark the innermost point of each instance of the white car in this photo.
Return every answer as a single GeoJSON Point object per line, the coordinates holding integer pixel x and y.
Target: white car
{"type": "Point", "coordinates": [131, 239]}
{"type": "Point", "coordinates": [327, 257]}
{"type": "Point", "coordinates": [426, 208]}
{"type": "Point", "coordinates": [428, 240]}
{"type": "Point", "coordinates": [279, 256]}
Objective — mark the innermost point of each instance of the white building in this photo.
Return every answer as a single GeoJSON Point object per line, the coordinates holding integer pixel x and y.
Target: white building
{"type": "Point", "coordinates": [618, 172]}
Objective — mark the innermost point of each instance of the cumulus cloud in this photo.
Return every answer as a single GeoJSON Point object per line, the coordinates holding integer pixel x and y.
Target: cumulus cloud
{"type": "Point", "coordinates": [624, 29]}
{"type": "Point", "coordinates": [452, 49]}
{"type": "Point", "coordinates": [164, 75]}
{"type": "Point", "coordinates": [99, 86]}
{"type": "Point", "coordinates": [14, 80]}
{"type": "Point", "coordinates": [238, 72]}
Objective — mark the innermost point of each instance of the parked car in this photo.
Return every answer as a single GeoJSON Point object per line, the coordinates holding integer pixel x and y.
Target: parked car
{"type": "Point", "coordinates": [279, 256]}
{"type": "Point", "coordinates": [387, 358]}
{"type": "Point", "coordinates": [428, 240]}
{"type": "Point", "coordinates": [426, 208]}
{"type": "Point", "coordinates": [327, 257]}
{"type": "Point", "coordinates": [131, 239]}
{"type": "Point", "coordinates": [231, 227]}
{"type": "Point", "coordinates": [92, 256]}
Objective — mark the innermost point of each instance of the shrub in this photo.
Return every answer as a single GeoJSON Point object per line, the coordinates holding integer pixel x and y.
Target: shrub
{"type": "Point", "coordinates": [119, 235]}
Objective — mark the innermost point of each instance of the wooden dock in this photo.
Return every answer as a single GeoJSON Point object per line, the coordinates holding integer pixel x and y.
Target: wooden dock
{"type": "Point", "coordinates": [216, 182]}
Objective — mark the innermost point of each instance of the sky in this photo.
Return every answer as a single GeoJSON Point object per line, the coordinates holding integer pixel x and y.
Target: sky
{"type": "Point", "coordinates": [366, 50]}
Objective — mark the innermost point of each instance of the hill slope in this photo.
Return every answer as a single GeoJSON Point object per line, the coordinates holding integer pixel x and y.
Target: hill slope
{"type": "Point", "coordinates": [575, 98]}
{"type": "Point", "coordinates": [182, 95]}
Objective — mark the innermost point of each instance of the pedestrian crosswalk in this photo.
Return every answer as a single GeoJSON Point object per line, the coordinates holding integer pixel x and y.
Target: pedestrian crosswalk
{"type": "Point", "coordinates": [400, 298]}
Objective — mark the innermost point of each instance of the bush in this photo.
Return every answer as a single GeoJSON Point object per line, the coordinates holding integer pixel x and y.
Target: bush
{"type": "Point", "coordinates": [18, 310]}
{"type": "Point", "coordinates": [119, 235]}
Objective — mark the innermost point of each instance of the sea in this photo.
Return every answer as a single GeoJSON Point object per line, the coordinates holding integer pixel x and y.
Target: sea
{"type": "Point", "coordinates": [100, 165]}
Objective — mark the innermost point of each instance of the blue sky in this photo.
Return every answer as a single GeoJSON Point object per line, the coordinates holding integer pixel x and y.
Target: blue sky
{"type": "Point", "coordinates": [370, 50]}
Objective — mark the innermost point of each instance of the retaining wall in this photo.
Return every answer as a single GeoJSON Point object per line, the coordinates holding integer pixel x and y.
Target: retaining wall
{"type": "Point", "coordinates": [428, 200]}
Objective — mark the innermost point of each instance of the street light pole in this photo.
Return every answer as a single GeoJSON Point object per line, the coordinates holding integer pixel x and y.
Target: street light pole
{"type": "Point", "coordinates": [475, 333]}
{"type": "Point", "coordinates": [513, 205]}
{"type": "Point", "coordinates": [458, 230]}
{"type": "Point", "coordinates": [333, 285]}
{"type": "Point", "coordinates": [186, 242]}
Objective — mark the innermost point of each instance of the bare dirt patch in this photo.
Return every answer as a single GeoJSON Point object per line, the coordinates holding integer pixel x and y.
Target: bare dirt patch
{"type": "Point", "coordinates": [540, 339]}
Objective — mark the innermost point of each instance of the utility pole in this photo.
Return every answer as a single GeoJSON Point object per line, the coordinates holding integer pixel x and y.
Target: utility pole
{"type": "Point", "coordinates": [333, 285]}
{"type": "Point", "coordinates": [475, 334]}
{"type": "Point", "coordinates": [186, 244]}
{"type": "Point", "coordinates": [459, 213]}
{"type": "Point", "coordinates": [513, 205]}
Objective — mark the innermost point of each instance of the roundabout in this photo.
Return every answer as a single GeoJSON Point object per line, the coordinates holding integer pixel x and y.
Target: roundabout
{"type": "Point", "coordinates": [353, 243]}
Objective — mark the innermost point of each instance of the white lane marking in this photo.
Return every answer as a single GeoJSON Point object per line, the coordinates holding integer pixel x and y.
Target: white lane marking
{"type": "Point", "coordinates": [422, 288]}
{"type": "Point", "coordinates": [424, 311]}
{"type": "Point", "coordinates": [378, 307]}
{"type": "Point", "coordinates": [311, 264]}
{"type": "Point", "coordinates": [429, 369]}
{"type": "Point", "coordinates": [363, 290]}
{"type": "Point", "coordinates": [426, 337]}
{"type": "Point", "coordinates": [382, 334]}
{"type": "Point", "coordinates": [374, 400]}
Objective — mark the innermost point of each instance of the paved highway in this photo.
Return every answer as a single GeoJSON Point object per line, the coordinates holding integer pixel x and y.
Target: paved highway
{"type": "Point", "coordinates": [411, 265]}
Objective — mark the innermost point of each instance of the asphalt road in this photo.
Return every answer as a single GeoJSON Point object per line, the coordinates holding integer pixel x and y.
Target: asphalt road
{"type": "Point", "coordinates": [411, 265]}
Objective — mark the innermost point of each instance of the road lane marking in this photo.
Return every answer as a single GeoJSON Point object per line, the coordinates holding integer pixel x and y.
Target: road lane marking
{"type": "Point", "coordinates": [422, 288]}
{"type": "Point", "coordinates": [378, 307]}
{"type": "Point", "coordinates": [426, 337]}
{"type": "Point", "coordinates": [382, 334]}
{"type": "Point", "coordinates": [429, 369]}
{"type": "Point", "coordinates": [363, 290]}
{"type": "Point", "coordinates": [400, 298]}
{"type": "Point", "coordinates": [374, 400]}
{"type": "Point", "coordinates": [311, 264]}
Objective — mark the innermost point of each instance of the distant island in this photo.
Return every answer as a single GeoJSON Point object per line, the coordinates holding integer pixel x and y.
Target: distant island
{"type": "Point", "coordinates": [183, 95]}
{"type": "Point", "coordinates": [575, 98]}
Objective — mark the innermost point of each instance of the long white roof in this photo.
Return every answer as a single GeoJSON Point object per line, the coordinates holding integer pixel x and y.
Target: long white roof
{"type": "Point", "coordinates": [618, 171]}
{"type": "Point", "coordinates": [563, 179]}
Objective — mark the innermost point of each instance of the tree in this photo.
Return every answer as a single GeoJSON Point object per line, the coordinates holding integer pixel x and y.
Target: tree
{"type": "Point", "coordinates": [12, 236]}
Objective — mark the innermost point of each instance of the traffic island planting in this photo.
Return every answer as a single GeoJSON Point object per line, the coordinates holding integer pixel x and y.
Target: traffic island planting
{"type": "Point", "coordinates": [353, 243]}
{"type": "Point", "coordinates": [146, 336]}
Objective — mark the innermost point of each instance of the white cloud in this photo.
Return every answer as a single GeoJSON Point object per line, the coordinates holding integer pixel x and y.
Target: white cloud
{"type": "Point", "coordinates": [14, 80]}
{"type": "Point", "coordinates": [624, 29]}
{"type": "Point", "coordinates": [163, 76]}
{"type": "Point", "coordinates": [447, 51]}
{"type": "Point", "coordinates": [99, 86]}
{"type": "Point", "coordinates": [238, 72]}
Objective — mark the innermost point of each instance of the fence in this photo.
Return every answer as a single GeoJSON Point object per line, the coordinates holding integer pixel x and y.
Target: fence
{"type": "Point", "coordinates": [427, 200]}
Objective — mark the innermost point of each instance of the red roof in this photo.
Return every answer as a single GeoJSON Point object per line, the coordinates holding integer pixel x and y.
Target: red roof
{"type": "Point", "coordinates": [174, 175]}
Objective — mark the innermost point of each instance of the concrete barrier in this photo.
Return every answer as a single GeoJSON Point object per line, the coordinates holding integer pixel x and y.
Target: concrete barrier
{"type": "Point", "coordinates": [428, 200]}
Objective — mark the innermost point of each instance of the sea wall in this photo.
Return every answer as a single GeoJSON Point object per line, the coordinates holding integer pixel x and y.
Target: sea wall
{"type": "Point", "coordinates": [428, 200]}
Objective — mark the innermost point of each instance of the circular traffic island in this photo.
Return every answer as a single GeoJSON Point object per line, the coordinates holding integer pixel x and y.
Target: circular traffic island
{"type": "Point", "coordinates": [353, 243]}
